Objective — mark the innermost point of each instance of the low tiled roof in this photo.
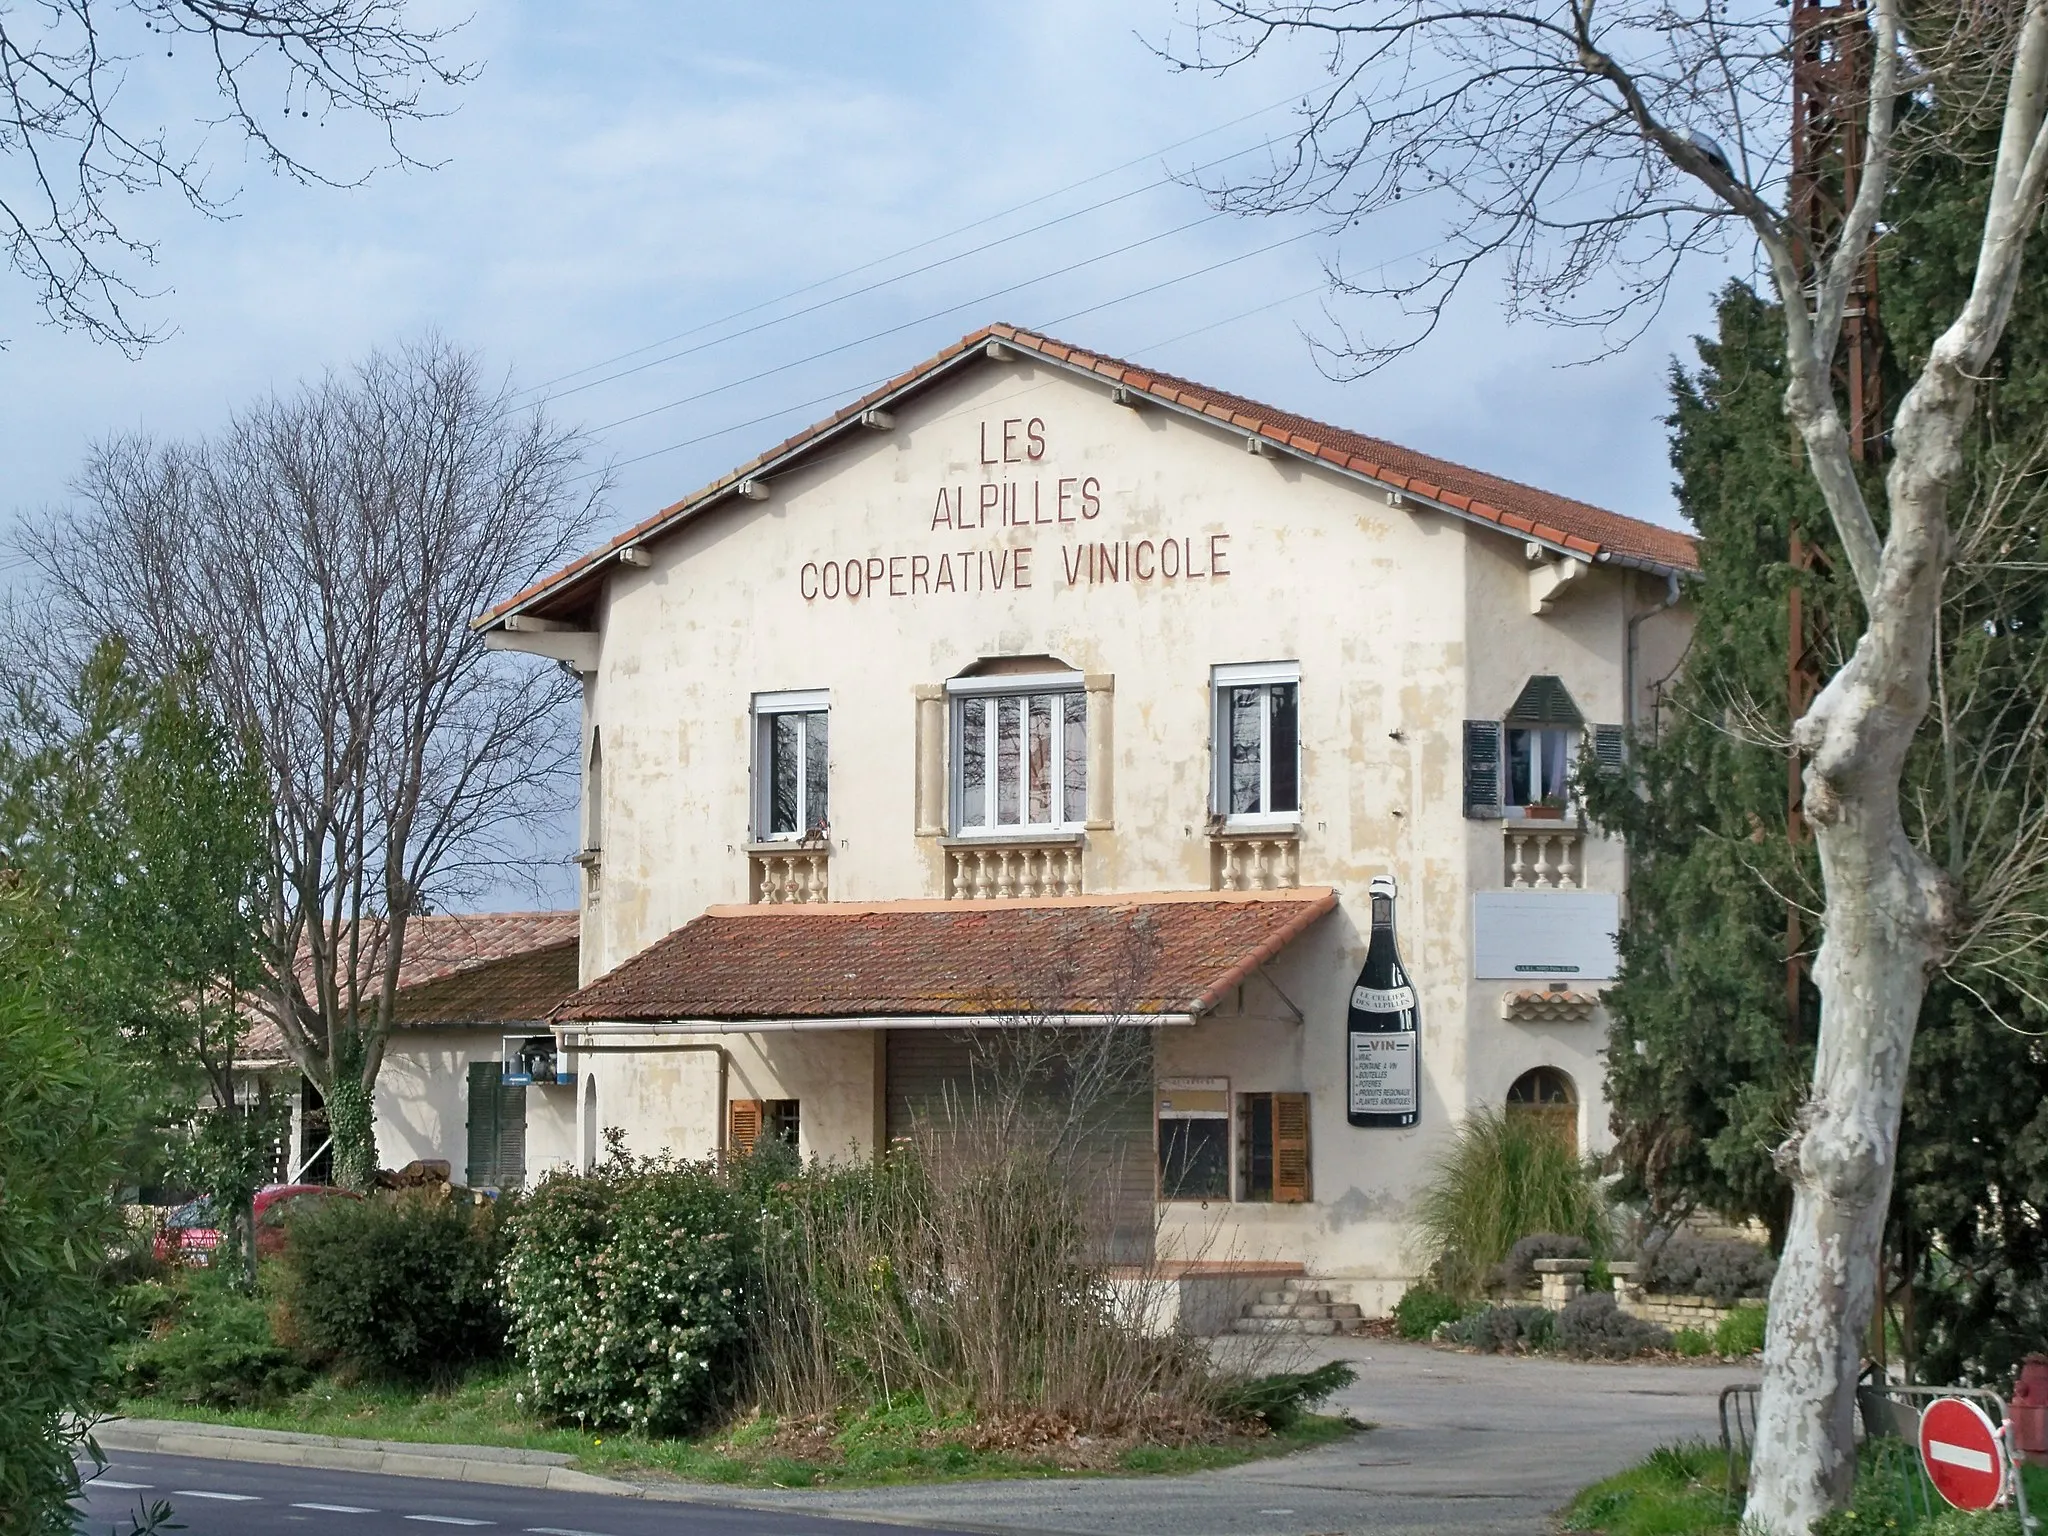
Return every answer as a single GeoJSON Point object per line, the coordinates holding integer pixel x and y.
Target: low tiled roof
{"type": "Point", "coordinates": [1177, 952]}
{"type": "Point", "coordinates": [1516, 508]}
{"type": "Point", "coordinates": [463, 968]}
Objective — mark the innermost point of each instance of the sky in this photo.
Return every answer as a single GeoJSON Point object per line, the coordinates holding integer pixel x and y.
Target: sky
{"type": "Point", "coordinates": [691, 229]}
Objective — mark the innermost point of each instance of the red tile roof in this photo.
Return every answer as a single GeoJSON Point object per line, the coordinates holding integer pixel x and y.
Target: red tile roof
{"type": "Point", "coordinates": [1176, 952]}
{"type": "Point", "coordinates": [1518, 509]}
{"type": "Point", "coordinates": [464, 968]}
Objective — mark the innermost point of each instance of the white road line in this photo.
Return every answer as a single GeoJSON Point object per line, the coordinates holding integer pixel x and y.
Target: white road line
{"type": "Point", "coordinates": [338, 1509]}
{"type": "Point", "coordinates": [108, 1482]}
{"type": "Point", "coordinates": [448, 1520]}
{"type": "Point", "coordinates": [231, 1498]}
{"type": "Point", "coordinates": [1960, 1456]}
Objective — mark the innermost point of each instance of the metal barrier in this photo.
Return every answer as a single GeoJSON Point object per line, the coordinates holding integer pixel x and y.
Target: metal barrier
{"type": "Point", "coordinates": [1738, 1433]}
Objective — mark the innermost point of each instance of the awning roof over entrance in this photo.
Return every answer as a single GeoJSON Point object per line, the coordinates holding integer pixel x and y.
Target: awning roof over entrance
{"type": "Point", "coordinates": [1166, 954]}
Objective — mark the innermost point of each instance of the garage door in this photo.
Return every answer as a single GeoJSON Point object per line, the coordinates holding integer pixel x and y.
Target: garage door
{"type": "Point", "coordinates": [938, 1079]}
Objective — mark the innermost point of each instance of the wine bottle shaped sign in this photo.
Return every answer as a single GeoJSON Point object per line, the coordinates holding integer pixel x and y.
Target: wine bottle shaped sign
{"type": "Point", "coordinates": [1383, 1033]}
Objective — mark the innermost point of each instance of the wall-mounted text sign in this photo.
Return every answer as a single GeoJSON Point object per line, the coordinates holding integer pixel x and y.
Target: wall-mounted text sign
{"type": "Point", "coordinates": [1090, 552]}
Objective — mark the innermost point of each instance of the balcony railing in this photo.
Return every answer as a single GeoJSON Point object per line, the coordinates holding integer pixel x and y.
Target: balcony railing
{"type": "Point", "coordinates": [1255, 861]}
{"type": "Point", "coordinates": [1543, 855]}
{"type": "Point", "coordinates": [794, 872]}
{"type": "Point", "coordinates": [982, 871]}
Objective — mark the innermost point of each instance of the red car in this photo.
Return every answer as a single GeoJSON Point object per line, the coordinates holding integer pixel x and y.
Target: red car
{"type": "Point", "coordinates": [188, 1234]}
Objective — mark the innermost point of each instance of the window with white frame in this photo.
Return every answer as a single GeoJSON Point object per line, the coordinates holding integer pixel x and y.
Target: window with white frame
{"type": "Point", "coordinates": [790, 765]}
{"type": "Point", "coordinates": [1257, 742]}
{"type": "Point", "coordinates": [1540, 762]}
{"type": "Point", "coordinates": [1020, 754]}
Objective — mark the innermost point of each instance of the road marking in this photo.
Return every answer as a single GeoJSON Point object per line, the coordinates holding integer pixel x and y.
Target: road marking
{"type": "Point", "coordinates": [1960, 1456]}
{"type": "Point", "coordinates": [108, 1482]}
{"type": "Point", "coordinates": [231, 1498]}
{"type": "Point", "coordinates": [338, 1509]}
{"type": "Point", "coordinates": [448, 1520]}
{"type": "Point", "coordinates": [556, 1530]}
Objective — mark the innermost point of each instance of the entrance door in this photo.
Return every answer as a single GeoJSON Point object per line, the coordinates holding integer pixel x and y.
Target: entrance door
{"type": "Point", "coordinates": [497, 1129]}
{"type": "Point", "coordinates": [1091, 1098]}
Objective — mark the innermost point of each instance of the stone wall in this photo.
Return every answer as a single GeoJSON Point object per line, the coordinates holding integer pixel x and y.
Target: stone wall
{"type": "Point", "coordinates": [1674, 1312]}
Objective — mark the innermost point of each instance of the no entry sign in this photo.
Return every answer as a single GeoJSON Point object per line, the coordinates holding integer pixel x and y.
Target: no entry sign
{"type": "Point", "coordinates": [1963, 1452]}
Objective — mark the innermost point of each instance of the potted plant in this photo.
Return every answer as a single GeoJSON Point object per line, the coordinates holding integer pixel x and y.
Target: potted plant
{"type": "Point", "coordinates": [1549, 808]}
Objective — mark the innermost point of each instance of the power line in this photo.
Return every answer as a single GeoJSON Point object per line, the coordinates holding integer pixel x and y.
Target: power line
{"type": "Point", "coordinates": [884, 282]}
{"type": "Point", "coordinates": [937, 314]}
{"type": "Point", "coordinates": [912, 249]}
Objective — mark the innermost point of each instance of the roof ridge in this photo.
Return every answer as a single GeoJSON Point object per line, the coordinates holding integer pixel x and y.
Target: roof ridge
{"type": "Point", "coordinates": [1602, 534]}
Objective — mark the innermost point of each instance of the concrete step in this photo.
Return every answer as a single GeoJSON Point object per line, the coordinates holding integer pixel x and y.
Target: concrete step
{"type": "Point", "coordinates": [1302, 1309]}
{"type": "Point", "coordinates": [1292, 1294]}
{"type": "Point", "coordinates": [1295, 1325]}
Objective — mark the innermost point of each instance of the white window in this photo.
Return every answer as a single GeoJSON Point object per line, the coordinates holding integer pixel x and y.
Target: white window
{"type": "Point", "coordinates": [1257, 742]}
{"type": "Point", "coordinates": [1020, 754]}
{"type": "Point", "coordinates": [790, 765]}
{"type": "Point", "coordinates": [1540, 763]}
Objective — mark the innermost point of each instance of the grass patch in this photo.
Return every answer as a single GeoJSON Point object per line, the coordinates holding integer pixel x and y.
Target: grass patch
{"type": "Point", "coordinates": [902, 1442]}
{"type": "Point", "coordinates": [1680, 1490]}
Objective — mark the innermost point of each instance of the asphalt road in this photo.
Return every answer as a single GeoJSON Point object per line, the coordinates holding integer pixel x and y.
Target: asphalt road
{"type": "Point", "coordinates": [232, 1498]}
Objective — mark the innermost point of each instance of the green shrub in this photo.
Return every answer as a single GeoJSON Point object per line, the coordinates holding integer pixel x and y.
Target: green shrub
{"type": "Point", "coordinates": [219, 1351]}
{"type": "Point", "coordinates": [1591, 1324]}
{"type": "Point", "coordinates": [1505, 1330]}
{"type": "Point", "coordinates": [1501, 1178]}
{"type": "Point", "coordinates": [628, 1290]}
{"type": "Point", "coordinates": [65, 1105]}
{"type": "Point", "coordinates": [402, 1286]}
{"type": "Point", "coordinates": [1420, 1309]}
{"type": "Point", "coordinates": [1741, 1332]}
{"type": "Point", "coordinates": [1723, 1269]}
{"type": "Point", "coordinates": [1279, 1401]}
{"type": "Point", "coordinates": [1692, 1343]}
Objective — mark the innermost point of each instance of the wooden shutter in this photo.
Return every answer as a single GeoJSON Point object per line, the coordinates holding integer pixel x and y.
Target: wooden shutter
{"type": "Point", "coordinates": [1290, 1148]}
{"type": "Point", "coordinates": [509, 1171]}
{"type": "Point", "coordinates": [1482, 769]}
{"type": "Point", "coordinates": [1609, 748]}
{"type": "Point", "coordinates": [743, 1121]}
{"type": "Point", "coordinates": [484, 1095]}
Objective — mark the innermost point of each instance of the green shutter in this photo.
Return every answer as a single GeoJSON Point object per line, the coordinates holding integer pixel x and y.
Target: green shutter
{"type": "Point", "coordinates": [1609, 748]}
{"type": "Point", "coordinates": [485, 1091]}
{"type": "Point", "coordinates": [1482, 769]}
{"type": "Point", "coordinates": [1544, 701]}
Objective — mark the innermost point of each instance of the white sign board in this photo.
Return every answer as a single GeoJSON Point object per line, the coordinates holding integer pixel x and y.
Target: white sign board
{"type": "Point", "coordinates": [1538, 936]}
{"type": "Point", "coordinates": [1383, 1072]}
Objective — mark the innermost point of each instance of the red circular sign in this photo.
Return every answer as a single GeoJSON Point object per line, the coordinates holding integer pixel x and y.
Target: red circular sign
{"type": "Point", "coordinates": [1963, 1452]}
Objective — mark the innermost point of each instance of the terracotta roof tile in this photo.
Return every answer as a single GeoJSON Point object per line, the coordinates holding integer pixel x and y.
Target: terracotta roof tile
{"type": "Point", "coordinates": [472, 967]}
{"type": "Point", "coordinates": [1170, 953]}
{"type": "Point", "coordinates": [1561, 520]}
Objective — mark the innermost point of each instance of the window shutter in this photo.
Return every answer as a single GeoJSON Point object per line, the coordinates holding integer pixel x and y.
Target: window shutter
{"type": "Point", "coordinates": [509, 1168]}
{"type": "Point", "coordinates": [1609, 748]}
{"type": "Point", "coordinates": [1482, 769]}
{"type": "Point", "coordinates": [1290, 1148]}
{"type": "Point", "coordinates": [482, 1168]}
{"type": "Point", "coordinates": [744, 1122]}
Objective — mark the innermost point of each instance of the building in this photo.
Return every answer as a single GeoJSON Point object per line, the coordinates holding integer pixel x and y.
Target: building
{"type": "Point", "coordinates": [1037, 690]}
{"type": "Point", "coordinates": [474, 995]}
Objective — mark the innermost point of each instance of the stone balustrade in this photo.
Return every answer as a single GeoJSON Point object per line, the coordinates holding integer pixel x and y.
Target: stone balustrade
{"type": "Point", "coordinates": [1255, 862]}
{"type": "Point", "coordinates": [797, 873]}
{"type": "Point", "coordinates": [984, 871]}
{"type": "Point", "coordinates": [1543, 855]}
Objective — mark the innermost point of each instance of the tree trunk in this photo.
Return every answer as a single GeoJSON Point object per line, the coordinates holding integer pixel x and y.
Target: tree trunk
{"type": "Point", "coordinates": [1871, 972]}
{"type": "Point", "coordinates": [352, 1123]}
{"type": "Point", "coordinates": [1887, 920]}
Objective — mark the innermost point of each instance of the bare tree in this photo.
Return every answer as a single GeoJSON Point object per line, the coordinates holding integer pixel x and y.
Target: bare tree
{"type": "Point", "coordinates": [1584, 152]}
{"type": "Point", "coordinates": [325, 553]}
{"type": "Point", "coordinates": [75, 142]}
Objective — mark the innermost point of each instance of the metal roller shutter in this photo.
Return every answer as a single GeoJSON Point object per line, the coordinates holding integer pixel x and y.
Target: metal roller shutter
{"type": "Point", "coordinates": [931, 1083]}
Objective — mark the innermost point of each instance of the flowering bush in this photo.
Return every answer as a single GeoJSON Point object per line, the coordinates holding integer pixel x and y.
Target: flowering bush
{"type": "Point", "coordinates": [629, 1290]}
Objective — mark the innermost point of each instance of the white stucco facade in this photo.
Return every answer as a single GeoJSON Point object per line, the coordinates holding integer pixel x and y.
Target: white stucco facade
{"type": "Point", "coordinates": [984, 514]}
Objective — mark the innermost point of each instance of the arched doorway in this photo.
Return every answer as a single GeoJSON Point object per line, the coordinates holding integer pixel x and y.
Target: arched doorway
{"type": "Point", "coordinates": [1546, 1096]}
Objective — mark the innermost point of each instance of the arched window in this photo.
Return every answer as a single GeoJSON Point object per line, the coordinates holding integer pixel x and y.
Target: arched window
{"type": "Point", "coordinates": [593, 796]}
{"type": "Point", "coordinates": [1547, 1097]}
